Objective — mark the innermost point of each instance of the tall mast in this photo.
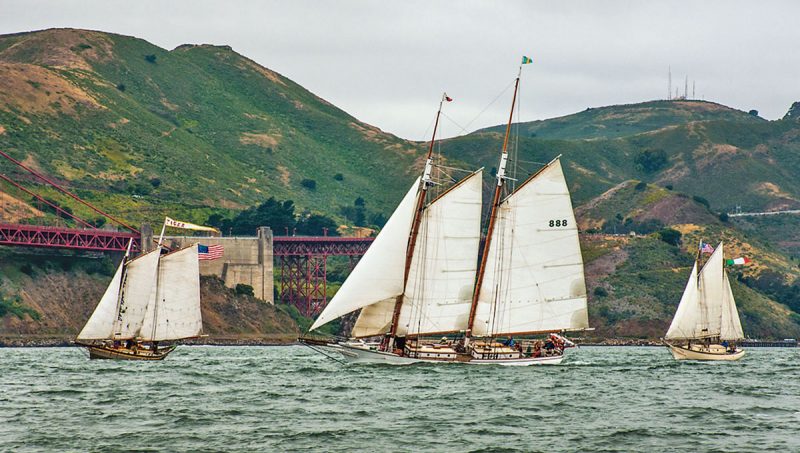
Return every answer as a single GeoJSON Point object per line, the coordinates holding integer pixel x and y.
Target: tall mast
{"type": "Point", "coordinates": [117, 318]}
{"type": "Point", "coordinates": [501, 177]}
{"type": "Point", "coordinates": [425, 183]}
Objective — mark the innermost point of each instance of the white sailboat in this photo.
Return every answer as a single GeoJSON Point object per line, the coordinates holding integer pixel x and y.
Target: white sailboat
{"type": "Point", "coordinates": [151, 299]}
{"type": "Point", "coordinates": [423, 276]}
{"type": "Point", "coordinates": [706, 325]}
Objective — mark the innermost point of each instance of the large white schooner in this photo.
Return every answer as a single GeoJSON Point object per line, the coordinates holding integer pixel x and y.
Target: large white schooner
{"type": "Point", "coordinates": [423, 276]}
{"type": "Point", "coordinates": [706, 325]}
{"type": "Point", "coordinates": [152, 299]}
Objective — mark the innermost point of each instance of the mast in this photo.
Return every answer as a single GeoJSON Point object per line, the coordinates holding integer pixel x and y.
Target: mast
{"type": "Point", "coordinates": [158, 272]}
{"type": "Point", "coordinates": [117, 316]}
{"type": "Point", "coordinates": [501, 176]}
{"type": "Point", "coordinates": [415, 224]}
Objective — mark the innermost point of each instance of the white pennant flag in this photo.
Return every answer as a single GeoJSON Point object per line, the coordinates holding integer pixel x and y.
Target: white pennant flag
{"type": "Point", "coordinates": [187, 226]}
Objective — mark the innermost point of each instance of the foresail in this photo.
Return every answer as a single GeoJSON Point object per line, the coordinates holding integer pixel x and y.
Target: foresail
{"type": "Point", "coordinates": [176, 311]}
{"type": "Point", "coordinates": [374, 319]}
{"type": "Point", "coordinates": [731, 328]}
{"type": "Point", "coordinates": [687, 317]}
{"type": "Point", "coordinates": [534, 278]}
{"type": "Point", "coordinates": [101, 324]}
{"type": "Point", "coordinates": [138, 287]}
{"type": "Point", "coordinates": [379, 273]}
{"type": "Point", "coordinates": [441, 278]}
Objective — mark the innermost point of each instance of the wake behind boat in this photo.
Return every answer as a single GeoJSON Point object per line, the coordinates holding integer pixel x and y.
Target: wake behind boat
{"type": "Point", "coordinates": [706, 325]}
{"type": "Point", "coordinates": [424, 277]}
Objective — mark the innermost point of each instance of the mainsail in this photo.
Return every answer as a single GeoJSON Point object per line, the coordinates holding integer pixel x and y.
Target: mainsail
{"type": "Point", "coordinates": [137, 288]}
{"type": "Point", "coordinates": [175, 311]}
{"type": "Point", "coordinates": [442, 273]}
{"type": "Point", "coordinates": [378, 276]}
{"type": "Point", "coordinates": [534, 279]}
{"type": "Point", "coordinates": [707, 308]}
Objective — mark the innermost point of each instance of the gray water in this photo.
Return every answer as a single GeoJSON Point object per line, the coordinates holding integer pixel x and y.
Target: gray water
{"type": "Point", "coordinates": [205, 398]}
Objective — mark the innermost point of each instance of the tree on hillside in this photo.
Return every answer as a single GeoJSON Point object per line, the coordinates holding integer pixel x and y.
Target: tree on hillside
{"type": "Point", "coordinates": [272, 213]}
{"type": "Point", "coordinates": [651, 161]}
{"type": "Point", "coordinates": [670, 236]}
{"type": "Point", "coordinates": [315, 225]}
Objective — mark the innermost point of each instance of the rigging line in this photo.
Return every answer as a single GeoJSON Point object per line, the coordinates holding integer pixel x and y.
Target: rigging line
{"type": "Point", "coordinates": [491, 103]}
{"type": "Point", "coordinates": [323, 353]}
{"type": "Point", "coordinates": [454, 168]}
{"type": "Point", "coordinates": [532, 162]}
{"type": "Point", "coordinates": [463, 129]}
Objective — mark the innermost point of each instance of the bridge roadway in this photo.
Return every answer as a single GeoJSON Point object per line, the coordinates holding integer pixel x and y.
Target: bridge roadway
{"type": "Point", "coordinates": [117, 241]}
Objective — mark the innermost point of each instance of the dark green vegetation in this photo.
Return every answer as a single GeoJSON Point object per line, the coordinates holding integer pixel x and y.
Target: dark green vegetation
{"type": "Point", "coordinates": [206, 135]}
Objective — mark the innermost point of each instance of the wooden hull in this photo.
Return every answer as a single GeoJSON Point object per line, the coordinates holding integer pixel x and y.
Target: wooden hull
{"type": "Point", "coordinates": [109, 353]}
{"type": "Point", "coordinates": [683, 353]}
{"type": "Point", "coordinates": [355, 354]}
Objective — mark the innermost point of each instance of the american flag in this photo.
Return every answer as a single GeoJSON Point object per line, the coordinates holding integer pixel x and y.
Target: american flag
{"type": "Point", "coordinates": [209, 252]}
{"type": "Point", "coordinates": [706, 248]}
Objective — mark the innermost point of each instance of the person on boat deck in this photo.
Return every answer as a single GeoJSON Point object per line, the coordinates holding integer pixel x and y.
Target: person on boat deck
{"type": "Point", "coordinates": [155, 346]}
{"type": "Point", "coordinates": [129, 344]}
{"type": "Point", "coordinates": [549, 346]}
{"type": "Point", "coordinates": [509, 342]}
{"type": "Point", "coordinates": [537, 348]}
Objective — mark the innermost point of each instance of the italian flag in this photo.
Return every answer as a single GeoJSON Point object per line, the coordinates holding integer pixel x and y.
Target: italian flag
{"type": "Point", "coordinates": [737, 261]}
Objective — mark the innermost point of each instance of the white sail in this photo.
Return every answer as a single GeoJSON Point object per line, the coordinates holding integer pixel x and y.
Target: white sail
{"type": "Point", "coordinates": [375, 319]}
{"type": "Point", "coordinates": [101, 323]}
{"type": "Point", "coordinates": [379, 273]}
{"type": "Point", "coordinates": [175, 313]}
{"type": "Point", "coordinates": [137, 290]}
{"type": "Point", "coordinates": [534, 279]}
{"type": "Point", "coordinates": [687, 317]}
{"type": "Point", "coordinates": [441, 278]}
{"type": "Point", "coordinates": [710, 295]}
{"type": "Point", "coordinates": [731, 326]}
{"type": "Point", "coordinates": [707, 308]}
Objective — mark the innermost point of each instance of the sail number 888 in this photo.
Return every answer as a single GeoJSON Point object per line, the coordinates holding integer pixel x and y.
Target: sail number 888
{"type": "Point", "coordinates": [558, 223]}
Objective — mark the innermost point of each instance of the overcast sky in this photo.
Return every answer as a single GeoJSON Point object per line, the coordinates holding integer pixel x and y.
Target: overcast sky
{"type": "Point", "coordinates": [387, 63]}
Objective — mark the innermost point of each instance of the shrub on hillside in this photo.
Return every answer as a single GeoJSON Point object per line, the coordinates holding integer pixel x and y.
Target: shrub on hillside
{"type": "Point", "coordinates": [309, 184]}
{"type": "Point", "coordinates": [670, 236]}
{"type": "Point", "coordinates": [702, 201]}
{"type": "Point", "coordinates": [246, 290]}
{"type": "Point", "coordinates": [650, 161]}
{"type": "Point", "coordinates": [150, 58]}
{"type": "Point", "coordinates": [641, 186]}
{"type": "Point", "coordinates": [600, 292]}
{"type": "Point", "coordinates": [338, 177]}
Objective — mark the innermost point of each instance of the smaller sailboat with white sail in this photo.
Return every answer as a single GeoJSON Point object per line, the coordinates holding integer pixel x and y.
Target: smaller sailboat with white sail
{"type": "Point", "coordinates": [706, 325]}
{"type": "Point", "coordinates": [152, 301]}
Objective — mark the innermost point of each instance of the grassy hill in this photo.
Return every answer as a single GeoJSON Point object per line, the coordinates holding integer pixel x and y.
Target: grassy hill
{"type": "Point", "coordinates": [199, 129]}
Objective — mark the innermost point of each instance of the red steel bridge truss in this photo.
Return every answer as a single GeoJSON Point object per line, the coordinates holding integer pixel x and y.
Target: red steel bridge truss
{"type": "Point", "coordinates": [303, 263]}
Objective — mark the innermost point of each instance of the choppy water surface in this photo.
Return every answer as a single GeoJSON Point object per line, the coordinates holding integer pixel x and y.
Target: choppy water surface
{"type": "Point", "coordinates": [290, 399]}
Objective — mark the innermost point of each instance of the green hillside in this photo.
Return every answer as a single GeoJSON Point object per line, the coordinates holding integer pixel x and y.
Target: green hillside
{"type": "Point", "coordinates": [143, 131]}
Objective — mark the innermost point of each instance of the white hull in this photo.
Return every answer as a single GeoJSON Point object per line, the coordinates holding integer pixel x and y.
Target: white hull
{"type": "Point", "coordinates": [527, 361]}
{"type": "Point", "coordinates": [354, 354]}
{"type": "Point", "coordinates": [682, 353]}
